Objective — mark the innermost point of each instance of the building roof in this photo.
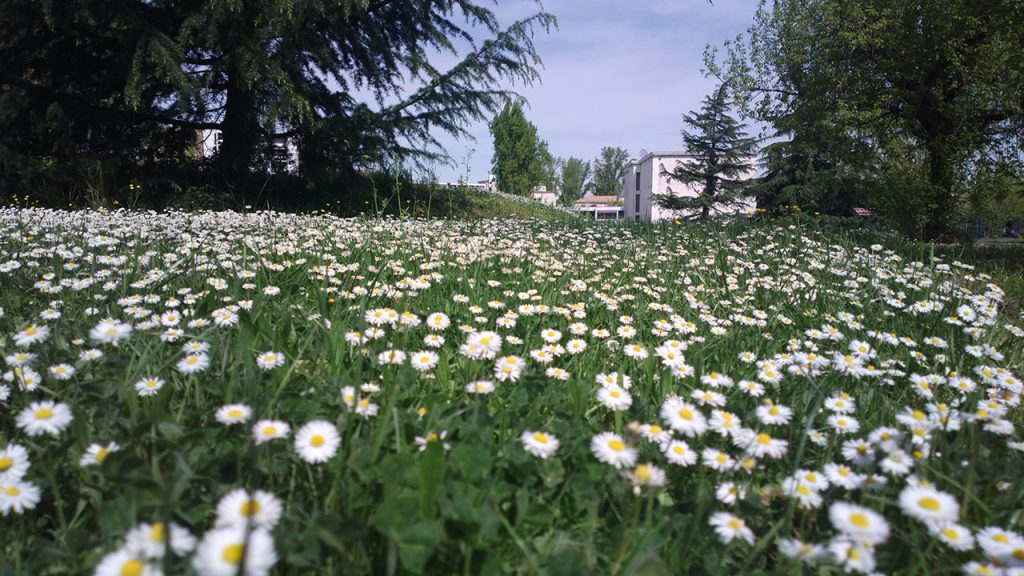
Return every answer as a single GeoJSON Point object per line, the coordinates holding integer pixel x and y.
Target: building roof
{"type": "Point", "coordinates": [611, 199]}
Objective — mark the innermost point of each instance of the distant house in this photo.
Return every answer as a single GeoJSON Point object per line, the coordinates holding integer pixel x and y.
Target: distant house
{"type": "Point", "coordinates": [488, 185]}
{"type": "Point", "coordinates": [648, 176]}
{"type": "Point", "coordinates": [283, 153]}
{"type": "Point", "coordinates": [543, 195]}
{"type": "Point", "coordinates": [600, 207]}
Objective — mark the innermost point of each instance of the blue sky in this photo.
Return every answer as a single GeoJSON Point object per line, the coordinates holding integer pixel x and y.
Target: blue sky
{"type": "Point", "coordinates": [616, 73]}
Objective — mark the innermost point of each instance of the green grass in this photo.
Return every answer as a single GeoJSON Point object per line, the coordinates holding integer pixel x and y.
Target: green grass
{"type": "Point", "coordinates": [794, 295]}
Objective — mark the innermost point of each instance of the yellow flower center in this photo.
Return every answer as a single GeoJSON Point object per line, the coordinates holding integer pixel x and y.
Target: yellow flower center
{"type": "Point", "coordinates": [763, 439]}
{"type": "Point", "coordinates": [686, 414]}
{"type": "Point", "coordinates": [615, 394]}
{"type": "Point", "coordinates": [735, 524]}
{"type": "Point", "coordinates": [643, 473]}
{"type": "Point", "coordinates": [102, 454]}
{"type": "Point", "coordinates": [13, 491]}
{"type": "Point", "coordinates": [655, 429]}
{"type": "Point", "coordinates": [617, 445]}
{"type": "Point", "coordinates": [233, 554]}
{"type": "Point", "coordinates": [774, 410]}
{"type": "Point", "coordinates": [250, 508]}
{"type": "Point", "coordinates": [235, 413]}
{"type": "Point", "coordinates": [679, 450]}
{"type": "Point", "coordinates": [31, 330]}
{"type": "Point", "coordinates": [6, 463]}
{"type": "Point", "coordinates": [157, 533]}
{"type": "Point", "coordinates": [803, 490]}
{"type": "Point", "coordinates": [1001, 538]}
{"type": "Point", "coordinates": [132, 567]}
{"type": "Point", "coordinates": [541, 437]}
{"type": "Point", "coordinates": [44, 414]}
{"type": "Point", "coordinates": [722, 458]}
{"type": "Point", "coordinates": [950, 534]}
{"type": "Point", "coordinates": [317, 441]}
{"type": "Point", "coordinates": [859, 520]}
{"type": "Point", "coordinates": [918, 415]}
{"type": "Point", "coordinates": [269, 430]}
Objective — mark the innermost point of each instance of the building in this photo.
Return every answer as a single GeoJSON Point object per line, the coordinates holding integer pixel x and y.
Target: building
{"type": "Point", "coordinates": [488, 185]}
{"type": "Point", "coordinates": [650, 176]}
{"type": "Point", "coordinates": [283, 152]}
{"type": "Point", "coordinates": [600, 207]}
{"type": "Point", "coordinates": [544, 196]}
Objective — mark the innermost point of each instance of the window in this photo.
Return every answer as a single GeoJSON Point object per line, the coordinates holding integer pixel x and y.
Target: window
{"type": "Point", "coordinates": [638, 181]}
{"type": "Point", "coordinates": [637, 208]}
{"type": "Point", "coordinates": [636, 218]}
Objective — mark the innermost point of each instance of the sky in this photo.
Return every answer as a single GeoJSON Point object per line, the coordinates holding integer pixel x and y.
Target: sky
{"type": "Point", "coordinates": [615, 73]}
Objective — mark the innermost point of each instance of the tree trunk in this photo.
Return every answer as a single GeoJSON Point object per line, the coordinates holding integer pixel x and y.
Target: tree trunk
{"type": "Point", "coordinates": [940, 177]}
{"type": "Point", "coordinates": [241, 126]}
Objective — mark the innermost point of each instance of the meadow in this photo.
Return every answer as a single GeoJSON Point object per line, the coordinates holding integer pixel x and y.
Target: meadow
{"type": "Point", "coordinates": [224, 393]}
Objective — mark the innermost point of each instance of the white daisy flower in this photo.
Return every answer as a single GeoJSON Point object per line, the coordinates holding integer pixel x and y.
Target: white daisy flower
{"type": "Point", "coordinates": [242, 509]}
{"type": "Point", "coordinates": [224, 551]}
{"type": "Point", "coordinates": [267, 430]}
{"type": "Point", "coordinates": [610, 448]}
{"type": "Point", "coordinates": [317, 441]}
{"type": "Point", "coordinates": [45, 417]}
{"type": "Point", "coordinates": [858, 522]}
{"type": "Point", "coordinates": [730, 527]}
{"type": "Point", "coordinates": [270, 360]}
{"type": "Point", "coordinates": [233, 414]}
{"type": "Point", "coordinates": [540, 444]}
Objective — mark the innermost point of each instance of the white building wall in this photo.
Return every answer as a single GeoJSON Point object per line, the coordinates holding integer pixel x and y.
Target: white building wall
{"type": "Point", "coordinates": [654, 180]}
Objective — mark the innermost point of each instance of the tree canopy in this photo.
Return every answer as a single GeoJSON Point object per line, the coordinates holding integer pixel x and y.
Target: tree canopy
{"type": "Point", "coordinates": [573, 181]}
{"type": "Point", "coordinates": [722, 154]}
{"type": "Point", "coordinates": [608, 170]}
{"type": "Point", "coordinates": [346, 79]}
{"type": "Point", "coordinates": [521, 159]}
{"type": "Point", "coordinates": [939, 79]}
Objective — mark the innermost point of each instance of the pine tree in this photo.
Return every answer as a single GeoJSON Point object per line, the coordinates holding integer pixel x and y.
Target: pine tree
{"type": "Point", "coordinates": [722, 154]}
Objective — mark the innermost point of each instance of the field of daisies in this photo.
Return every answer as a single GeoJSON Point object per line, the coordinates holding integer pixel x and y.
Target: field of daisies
{"type": "Point", "coordinates": [244, 394]}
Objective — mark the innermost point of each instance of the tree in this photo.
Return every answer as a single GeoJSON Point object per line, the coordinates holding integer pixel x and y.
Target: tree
{"type": "Point", "coordinates": [722, 155]}
{"type": "Point", "coordinates": [609, 169]}
{"type": "Point", "coordinates": [573, 181]}
{"type": "Point", "coordinates": [520, 158]}
{"type": "Point", "coordinates": [347, 78]}
{"type": "Point", "coordinates": [939, 75]}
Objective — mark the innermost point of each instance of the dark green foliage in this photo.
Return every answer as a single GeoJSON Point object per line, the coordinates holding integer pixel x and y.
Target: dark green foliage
{"type": "Point", "coordinates": [521, 160]}
{"type": "Point", "coordinates": [119, 89]}
{"type": "Point", "coordinates": [722, 155]}
{"type": "Point", "coordinates": [609, 168]}
{"type": "Point", "coordinates": [935, 82]}
{"type": "Point", "coordinates": [574, 179]}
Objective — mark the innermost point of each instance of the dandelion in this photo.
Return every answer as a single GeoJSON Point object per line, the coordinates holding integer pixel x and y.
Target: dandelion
{"type": "Point", "coordinates": [317, 441]}
{"type": "Point", "coordinates": [540, 444]}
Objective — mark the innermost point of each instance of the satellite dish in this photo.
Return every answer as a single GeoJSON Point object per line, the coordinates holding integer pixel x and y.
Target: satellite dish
{"type": "Point", "coordinates": [643, 152]}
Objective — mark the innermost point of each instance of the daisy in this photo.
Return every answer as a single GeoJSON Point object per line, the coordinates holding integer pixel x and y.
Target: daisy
{"type": "Point", "coordinates": [424, 360]}
{"type": "Point", "coordinates": [858, 522]}
{"type": "Point", "coordinates": [193, 363]}
{"type": "Point", "coordinates": [929, 505]}
{"type": "Point", "coordinates": [223, 552]}
{"type": "Point", "coordinates": [267, 430]}
{"type": "Point", "coordinates": [730, 527]}
{"type": "Point", "coordinates": [126, 561]}
{"type": "Point", "coordinates": [764, 445]}
{"type": "Point", "coordinates": [557, 374]}
{"type": "Point", "coordinates": [366, 409]}
{"type": "Point", "coordinates": [438, 321]}
{"type": "Point", "coordinates": [149, 386]}
{"type": "Point", "coordinates": [646, 476]}
{"type": "Point", "coordinates": [480, 387]}
{"type": "Point", "coordinates": [843, 424]}
{"type": "Point", "coordinates": [241, 508]}
{"type": "Point", "coordinates": [14, 463]}
{"type": "Point", "coordinates": [728, 493]}
{"type": "Point", "coordinates": [683, 417]}
{"type": "Point", "coordinates": [842, 476]}
{"type": "Point", "coordinates": [614, 398]}
{"type": "Point", "coordinates": [62, 371]}
{"type": "Point", "coordinates": [609, 448]}
{"type": "Point", "coordinates": [45, 417]}
{"type": "Point", "coordinates": [540, 444]}
{"type": "Point", "coordinates": [317, 441]}
{"type": "Point", "coordinates": [110, 331]}
{"type": "Point", "coordinates": [805, 495]}
{"type": "Point", "coordinates": [391, 357]}
{"type": "Point", "coordinates": [955, 536]}
{"type": "Point", "coordinates": [679, 453]}
{"type": "Point", "coordinates": [233, 414]}
{"type": "Point", "coordinates": [90, 355]}
{"type": "Point", "coordinates": [772, 414]}
{"type": "Point", "coordinates": [31, 335]}
{"type": "Point", "coordinates": [150, 540]}
{"type": "Point", "coordinates": [716, 459]}
{"type": "Point", "coordinates": [18, 496]}
{"type": "Point", "coordinates": [799, 550]}
{"type": "Point", "coordinates": [270, 360]}
{"type": "Point", "coordinates": [95, 454]}
{"type": "Point", "coordinates": [424, 441]}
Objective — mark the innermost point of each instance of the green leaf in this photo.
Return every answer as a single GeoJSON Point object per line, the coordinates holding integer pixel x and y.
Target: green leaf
{"type": "Point", "coordinates": [431, 478]}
